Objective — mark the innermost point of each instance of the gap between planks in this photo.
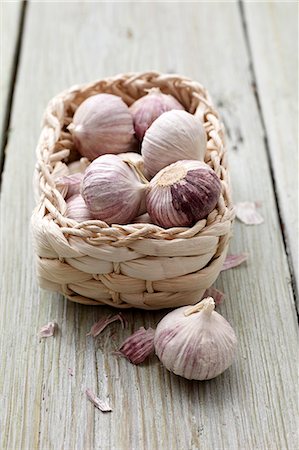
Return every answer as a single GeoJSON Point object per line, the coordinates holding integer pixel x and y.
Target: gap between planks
{"type": "Point", "coordinates": [11, 87]}
{"type": "Point", "coordinates": [268, 154]}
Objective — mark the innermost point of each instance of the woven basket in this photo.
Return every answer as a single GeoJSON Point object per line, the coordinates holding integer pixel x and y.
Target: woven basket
{"type": "Point", "coordinates": [136, 265]}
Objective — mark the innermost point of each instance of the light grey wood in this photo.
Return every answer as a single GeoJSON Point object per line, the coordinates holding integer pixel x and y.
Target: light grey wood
{"type": "Point", "coordinates": [252, 405]}
{"type": "Point", "coordinates": [273, 33]}
{"type": "Point", "coordinates": [10, 21]}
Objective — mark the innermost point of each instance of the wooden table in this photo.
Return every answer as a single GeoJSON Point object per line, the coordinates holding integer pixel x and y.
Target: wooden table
{"type": "Point", "coordinates": [246, 55]}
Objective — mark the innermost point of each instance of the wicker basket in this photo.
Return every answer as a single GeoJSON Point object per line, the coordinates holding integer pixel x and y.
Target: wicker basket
{"type": "Point", "coordinates": [135, 265]}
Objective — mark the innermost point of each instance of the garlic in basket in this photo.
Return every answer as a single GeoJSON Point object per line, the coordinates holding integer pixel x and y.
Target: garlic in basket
{"type": "Point", "coordinates": [195, 342]}
{"type": "Point", "coordinates": [113, 191]}
{"type": "Point", "coordinates": [148, 108]}
{"type": "Point", "coordinates": [102, 124]}
{"type": "Point", "coordinates": [174, 136]}
{"type": "Point", "coordinates": [77, 209]}
{"type": "Point", "coordinates": [182, 193]}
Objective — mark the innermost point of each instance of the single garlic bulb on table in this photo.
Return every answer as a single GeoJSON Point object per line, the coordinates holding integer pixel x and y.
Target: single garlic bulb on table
{"type": "Point", "coordinates": [195, 342]}
{"type": "Point", "coordinates": [77, 209]}
{"type": "Point", "coordinates": [102, 124]}
{"type": "Point", "coordinates": [174, 136]}
{"type": "Point", "coordinates": [113, 191]}
{"type": "Point", "coordinates": [182, 193]}
{"type": "Point", "coordinates": [148, 108]}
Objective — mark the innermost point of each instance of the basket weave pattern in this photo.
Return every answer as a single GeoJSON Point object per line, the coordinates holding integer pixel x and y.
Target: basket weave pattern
{"type": "Point", "coordinates": [135, 265]}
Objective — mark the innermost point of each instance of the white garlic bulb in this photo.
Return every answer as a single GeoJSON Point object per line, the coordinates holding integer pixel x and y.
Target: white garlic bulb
{"type": "Point", "coordinates": [174, 136]}
{"type": "Point", "coordinates": [77, 209]}
{"type": "Point", "coordinates": [113, 191]}
{"type": "Point", "coordinates": [195, 342]}
{"type": "Point", "coordinates": [182, 193]}
{"type": "Point", "coordinates": [102, 124]}
{"type": "Point", "coordinates": [148, 108]}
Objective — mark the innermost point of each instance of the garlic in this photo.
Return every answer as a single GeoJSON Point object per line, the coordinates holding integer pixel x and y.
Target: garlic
{"type": "Point", "coordinates": [144, 218]}
{"type": "Point", "coordinates": [113, 191]}
{"type": "Point", "coordinates": [174, 136]}
{"type": "Point", "coordinates": [148, 108]}
{"type": "Point", "coordinates": [77, 209]}
{"type": "Point", "coordinates": [102, 124]}
{"type": "Point", "coordinates": [133, 158]}
{"type": "Point", "coordinates": [195, 342]}
{"type": "Point", "coordinates": [70, 184]}
{"type": "Point", "coordinates": [182, 193]}
{"type": "Point", "coordinates": [78, 166]}
{"type": "Point", "coordinates": [137, 347]}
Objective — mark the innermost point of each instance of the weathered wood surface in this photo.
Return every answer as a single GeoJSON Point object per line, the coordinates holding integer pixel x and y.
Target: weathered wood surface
{"type": "Point", "coordinates": [10, 22]}
{"type": "Point", "coordinates": [273, 33]}
{"type": "Point", "coordinates": [252, 405]}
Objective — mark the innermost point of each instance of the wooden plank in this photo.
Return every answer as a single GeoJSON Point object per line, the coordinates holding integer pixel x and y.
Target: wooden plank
{"type": "Point", "coordinates": [10, 23]}
{"type": "Point", "coordinates": [273, 33]}
{"type": "Point", "coordinates": [252, 405]}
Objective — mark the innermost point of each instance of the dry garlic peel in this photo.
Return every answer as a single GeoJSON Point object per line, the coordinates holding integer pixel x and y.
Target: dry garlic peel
{"type": "Point", "coordinates": [70, 184]}
{"type": "Point", "coordinates": [174, 136]}
{"type": "Point", "coordinates": [195, 342]}
{"type": "Point", "coordinates": [112, 190]}
{"type": "Point", "coordinates": [182, 193]}
{"type": "Point", "coordinates": [133, 158]}
{"type": "Point", "coordinates": [102, 124]}
{"type": "Point", "coordinates": [149, 108]}
{"type": "Point", "coordinates": [77, 209]}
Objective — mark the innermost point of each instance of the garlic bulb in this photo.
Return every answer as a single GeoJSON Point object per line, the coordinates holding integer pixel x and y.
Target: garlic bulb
{"type": "Point", "coordinates": [102, 124]}
{"type": "Point", "coordinates": [182, 193]}
{"type": "Point", "coordinates": [77, 209]}
{"type": "Point", "coordinates": [174, 136]}
{"type": "Point", "coordinates": [195, 342]}
{"type": "Point", "coordinates": [148, 108]}
{"type": "Point", "coordinates": [112, 190]}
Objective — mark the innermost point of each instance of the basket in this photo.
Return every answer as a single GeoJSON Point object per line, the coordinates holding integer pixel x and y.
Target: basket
{"type": "Point", "coordinates": [136, 265]}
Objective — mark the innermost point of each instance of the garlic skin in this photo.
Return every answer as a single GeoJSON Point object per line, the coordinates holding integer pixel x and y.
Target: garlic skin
{"type": "Point", "coordinates": [182, 193]}
{"type": "Point", "coordinates": [70, 184]}
{"type": "Point", "coordinates": [102, 124]}
{"type": "Point", "coordinates": [77, 209]}
{"type": "Point", "coordinates": [148, 108]}
{"type": "Point", "coordinates": [174, 136]}
{"type": "Point", "coordinates": [133, 158]}
{"type": "Point", "coordinates": [112, 190]}
{"type": "Point", "coordinates": [195, 342]}
{"type": "Point", "coordinates": [78, 166]}
{"type": "Point", "coordinates": [144, 218]}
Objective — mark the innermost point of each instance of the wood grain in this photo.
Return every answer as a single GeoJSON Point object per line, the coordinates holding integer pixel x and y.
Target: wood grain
{"type": "Point", "coordinates": [252, 405]}
{"type": "Point", "coordinates": [273, 33]}
{"type": "Point", "coordinates": [10, 22]}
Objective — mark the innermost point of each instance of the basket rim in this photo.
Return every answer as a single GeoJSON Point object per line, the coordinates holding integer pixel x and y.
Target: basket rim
{"type": "Point", "coordinates": [50, 203]}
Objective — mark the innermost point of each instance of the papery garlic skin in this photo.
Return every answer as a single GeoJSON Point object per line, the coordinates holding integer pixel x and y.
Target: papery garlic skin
{"type": "Point", "coordinates": [102, 124]}
{"type": "Point", "coordinates": [77, 209]}
{"type": "Point", "coordinates": [133, 158]}
{"type": "Point", "coordinates": [199, 346]}
{"type": "Point", "coordinates": [78, 166]}
{"type": "Point", "coordinates": [143, 218]}
{"type": "Point", "coordinates": [148, 108]}
{"type": "Point", "coordinates": [182, 193]}
{"type": "Point", "coordinates": [112, 190]}
{"type": "Point", "coordinates": [174, 136]}
{"type": "Point", "coordinates": [70, 184]}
